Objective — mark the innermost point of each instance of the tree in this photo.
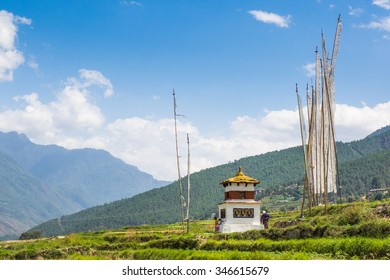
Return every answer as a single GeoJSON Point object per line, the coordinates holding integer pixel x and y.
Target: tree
{"type": "Point", "coordinates": [376, 183]}
{"type": "Point", "coordinates": [31, 235]}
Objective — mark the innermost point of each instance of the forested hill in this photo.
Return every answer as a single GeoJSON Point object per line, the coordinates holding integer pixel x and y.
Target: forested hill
{"type": "Point", "coordinates": [360, 163]}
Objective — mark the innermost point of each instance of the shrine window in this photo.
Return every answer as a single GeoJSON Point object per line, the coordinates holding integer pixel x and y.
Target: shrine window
{"type": "Point", "coordinates": [243, 212]}
{"type": "Point", "coordinates": [223, 213]}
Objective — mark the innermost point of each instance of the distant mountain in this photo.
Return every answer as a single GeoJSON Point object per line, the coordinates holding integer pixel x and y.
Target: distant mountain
{"type": "Point", "coordinates": [380, 131]}
{"type": "Point", "coordinates": [360, 163]}
{"type": "Point", "coordinates": [39, 182]}
{"type": "Point", "coordinates": [24, 200]}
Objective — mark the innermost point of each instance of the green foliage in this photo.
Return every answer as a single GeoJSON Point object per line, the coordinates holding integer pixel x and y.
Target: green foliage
{"type": "Point", "coordinates": [31, 235]}
{"type": "Point", "coordinates": [320, 235]}
{"type": "Point", "coordinates": [375, 228]}
{"type": "Point", "coordinates": [179, 243]}
{"type": "Point", "coordinates": [349, 248]}
{"type": "Point", "coordinates": [351, 216]}
{"type": "Point", "coordinates": [26, 255]}
{"type": "Point", "coordinates": [357, 175]}
{"type": "Point", "coordinates": [280, 172]}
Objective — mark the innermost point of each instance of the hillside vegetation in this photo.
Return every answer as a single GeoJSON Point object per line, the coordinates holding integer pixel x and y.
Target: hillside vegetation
{"type": "Point", "coordinates": [345, 231]}
{"type": "Point", "coordinates": [362, 163]}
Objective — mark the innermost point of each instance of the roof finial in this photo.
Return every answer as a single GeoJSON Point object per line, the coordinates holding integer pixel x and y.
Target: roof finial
{"type": "Point", "coordinates": [240, 173]}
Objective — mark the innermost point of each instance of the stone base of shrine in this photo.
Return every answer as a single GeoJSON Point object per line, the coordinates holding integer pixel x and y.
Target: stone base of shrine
{"type": "Point", "coordinates": [227, 228]}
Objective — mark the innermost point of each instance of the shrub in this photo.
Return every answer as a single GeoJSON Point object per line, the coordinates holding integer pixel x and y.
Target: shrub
{"type": "Point", "coordinates": [273, 234]}
{"type": "Point", "coordinates": [26, 255]}
{"type": "Point", "coordinates": [321, 231]}
{"type": "Point", "coordinates": [52, 254]}
{"type": "Point", "coordinates": [305, 230]}
{"type": "Point", "coordinates": [248, 235]}
{"type": "Point", "coordinates": [374, 228]}
{"type": "Point", "coordinates": [147, 237]}
{"type": "Point", "coordinates": [179, 243]}
{"type": "Point", "coordinates": [31, 235]}
{"type": "Point", "coordinates": [350, 216]}
{"type": "Point", "coordinates": [160, 254]}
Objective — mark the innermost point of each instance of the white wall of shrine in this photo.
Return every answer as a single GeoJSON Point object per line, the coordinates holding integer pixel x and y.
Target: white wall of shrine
{"type": "Point", "coordinates": [240, 216]}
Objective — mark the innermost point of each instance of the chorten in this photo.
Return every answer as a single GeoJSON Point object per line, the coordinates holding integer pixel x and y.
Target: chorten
{"type": "Point", "coordinates": [239, 212]}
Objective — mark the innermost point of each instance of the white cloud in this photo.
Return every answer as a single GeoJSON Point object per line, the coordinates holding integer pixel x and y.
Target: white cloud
{"type": "Point", "coordinates": [68, 119]}
{"type": "Point", "coordinates": [382, 24]}
{"type": "Point", "coordinates": [92, 77]}
{"type": "Point", "coordinates": [385, 4]}
{"type": "Point", "coordinates": [10, 57]}
{"type": "Point", "coordinates": [33, 64]}
{"type": "Point", "coordinates": [132, 3]}
{"type": "Point", "coordinates": [310, 69]}
{"type": "Point", "coordinates": [9, 61]}
{"type": "Point", "coordinates": [23, 20]}
{"type": "Point", "coordinates": [7, 30]}
{"type": "Point", "coordinates": [271, 18]}
{"type": "Point", "coordinates": [354, 123]}
{"type": "Point", "coordinates": [72, 120]}
{"type": "Point", "coordinates": [149, 144]}
{"type": "Point", "coordinates": [356, 12]}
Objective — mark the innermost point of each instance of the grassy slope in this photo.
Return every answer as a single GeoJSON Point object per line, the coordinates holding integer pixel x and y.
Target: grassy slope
{"type": "Point", "coordinates": [346, 231]}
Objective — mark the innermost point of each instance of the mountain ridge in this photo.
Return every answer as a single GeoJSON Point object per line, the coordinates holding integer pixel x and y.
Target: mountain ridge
{"type": "Point", "coordinates": [276, 170]}
{"type": "Point", "coordinates": [72, 179]}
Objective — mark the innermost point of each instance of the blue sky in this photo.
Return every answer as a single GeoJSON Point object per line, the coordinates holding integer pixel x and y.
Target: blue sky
{"type": "Point", "coordinates": [83, 73]}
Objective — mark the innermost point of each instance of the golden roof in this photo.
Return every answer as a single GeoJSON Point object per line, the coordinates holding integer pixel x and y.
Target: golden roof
{"type": "Point", "coordinates": [240, 178]}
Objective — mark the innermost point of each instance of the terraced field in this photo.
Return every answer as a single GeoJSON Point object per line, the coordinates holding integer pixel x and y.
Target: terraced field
{"type": "Point", "coordinates": [346, 231]}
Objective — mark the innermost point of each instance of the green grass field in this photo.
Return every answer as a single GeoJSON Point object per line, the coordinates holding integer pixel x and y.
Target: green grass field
{"type": "Point", "coordinates": [346, 232]}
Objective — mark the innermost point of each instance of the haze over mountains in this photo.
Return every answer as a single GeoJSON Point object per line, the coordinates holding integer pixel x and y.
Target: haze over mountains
{"type": "Point", "coordinates": [39, 182]}
{"type": "Point", "coordinates": [363, 165]}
